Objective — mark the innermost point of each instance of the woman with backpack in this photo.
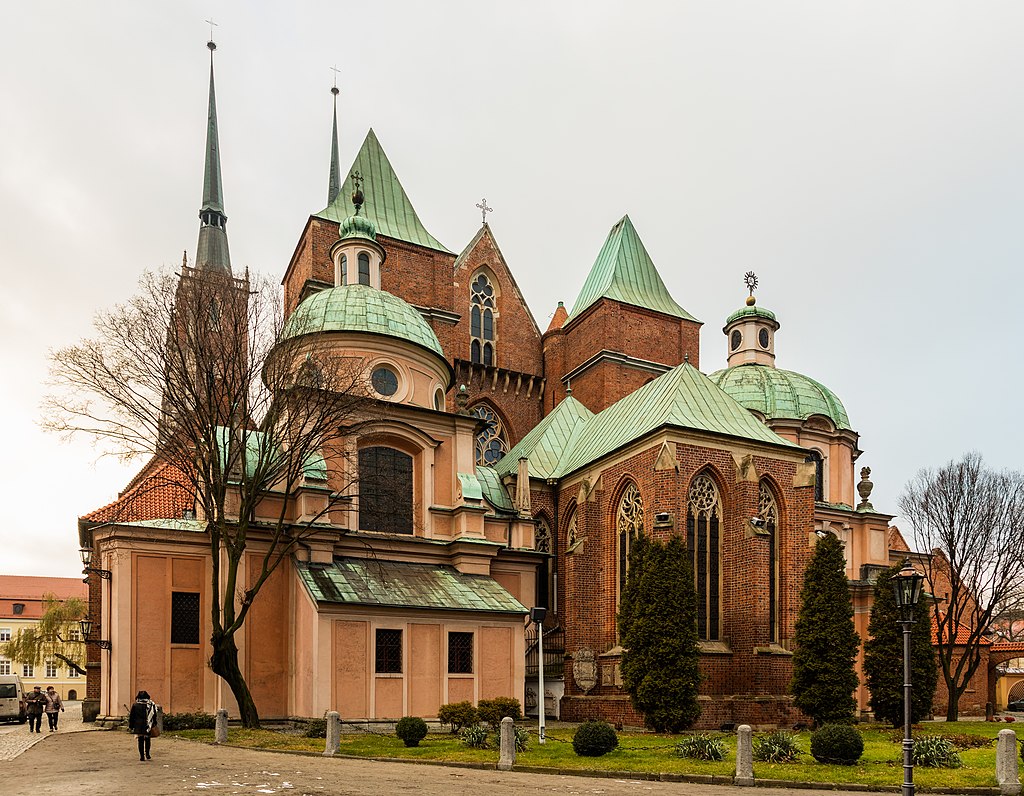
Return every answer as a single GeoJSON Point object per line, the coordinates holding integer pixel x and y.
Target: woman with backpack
{"type": "Point", "coordinates": [142, 722]}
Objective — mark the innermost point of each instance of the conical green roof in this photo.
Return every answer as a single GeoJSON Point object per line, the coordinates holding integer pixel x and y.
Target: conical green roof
{"type": "Point", "coordinates": [684, 397]}
{"type": "Point", "coordinates": [550, 441]}
{"type": "Point", "coordinates": [387, 204]}
{"type": "Point", "coordinates": [625, 272]}
{"type": "Point", "coordinates": [212, 249]}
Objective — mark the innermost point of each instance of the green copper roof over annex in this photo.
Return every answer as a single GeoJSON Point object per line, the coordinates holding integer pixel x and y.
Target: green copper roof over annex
{"type": "Point", "coordinates": [751, 311]}
{"type": "Point", "coordinates": [400, 584]}
{"type": "Point", "coordinates": [387, 204]}
{"type": "Point", "coordinates": [683, 397]}
{"type": "Point", "coordinates": [780, 394]}
{"type": "Point", "coordinates": [625, 272]}
{"type": "Point", "coordinates": [549, 442]}
{"type": "Point", "coordinates": [361, 308]}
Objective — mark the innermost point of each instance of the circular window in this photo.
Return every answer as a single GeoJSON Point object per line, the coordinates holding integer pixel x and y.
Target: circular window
{"type": "Point", "coordinates": [385, 381]}
{"type": "Point", "coordinates": [762, 338]}
{"type": "Point", "coordinates": [439, 399]}
{"type": "Point", "coordinates": [736, 339]}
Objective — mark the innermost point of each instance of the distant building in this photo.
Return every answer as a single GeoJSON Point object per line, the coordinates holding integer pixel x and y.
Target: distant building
{"type": "Point", "coordinates": [21, 606]}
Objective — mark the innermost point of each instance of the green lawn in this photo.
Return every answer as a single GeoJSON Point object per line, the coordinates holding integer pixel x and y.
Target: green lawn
{"type": "Point", "coordinates": [880, 766]}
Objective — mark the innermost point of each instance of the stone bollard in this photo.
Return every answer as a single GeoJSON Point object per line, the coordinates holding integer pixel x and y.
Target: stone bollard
{"type": "Point", "coordinates": [744, 756]}
{"type": "Point", "coordinates": [1006, 763]}
{"type": "Point", "coordinates": [222, 725]}
{"type": "Point", "coordinates": [507, 754]}
{"type": "Point", "coordinates": [333, 733]}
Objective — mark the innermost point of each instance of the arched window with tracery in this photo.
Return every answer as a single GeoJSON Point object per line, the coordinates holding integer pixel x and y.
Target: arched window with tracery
{"type": "Point", "coordinates": [481, 320]}
{"type": "Point", "coordinates": [492, 442]}
{"type": "Point", "coordinates": [768, 510]}
{"type": "Point", "coordinates": [819, 474]}
{"type": "Point", "coordinates": [629, 523]}
{"type": "Point", "coordinates": [703, 517]}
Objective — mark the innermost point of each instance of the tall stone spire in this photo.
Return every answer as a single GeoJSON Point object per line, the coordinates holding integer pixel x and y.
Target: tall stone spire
{"type": "Point", "coordinates": [212, 251]}
{"type": "Point", "coordinates": [334, 183]}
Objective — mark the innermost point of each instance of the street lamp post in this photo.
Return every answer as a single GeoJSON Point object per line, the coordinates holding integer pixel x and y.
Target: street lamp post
{"type": "Point", "coordinates": [537, 615]}
{"type": "Point", "coordinates": [907, 585]}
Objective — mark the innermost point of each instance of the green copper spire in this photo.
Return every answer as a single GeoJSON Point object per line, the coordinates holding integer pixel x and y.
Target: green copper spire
{"type": "Point", "coordinates": [625, 272]}
{"type": "Point", "coordinates": [334, 183]}
{"type": "Point", "coordinates": [212, 251]}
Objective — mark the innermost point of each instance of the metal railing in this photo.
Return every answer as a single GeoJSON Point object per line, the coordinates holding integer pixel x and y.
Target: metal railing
{"type": "Point", "coordinates": [554, 652]}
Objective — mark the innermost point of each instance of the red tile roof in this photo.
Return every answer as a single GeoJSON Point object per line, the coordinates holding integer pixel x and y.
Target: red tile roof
{"type": "Point", "coordinates": [963, 633]}
{"type": "Point", "coordinates": [29, 590]}
{"type": "Point", "coordinates": [1008, 646]}
{"type": "Point", "coordinates": [160, 491]}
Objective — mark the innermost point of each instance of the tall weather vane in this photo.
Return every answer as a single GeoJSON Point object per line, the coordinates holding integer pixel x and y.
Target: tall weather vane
{"type": "Point", "coordinates": [484, 210]}
{"type": "Point", "coordinates": [750, 278]}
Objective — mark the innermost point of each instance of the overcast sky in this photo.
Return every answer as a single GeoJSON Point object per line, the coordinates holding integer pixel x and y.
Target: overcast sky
{"type": "Point", "coordinates": [864, 158]}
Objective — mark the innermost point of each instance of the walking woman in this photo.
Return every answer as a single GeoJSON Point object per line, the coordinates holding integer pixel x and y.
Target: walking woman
{"type": "Point", "coordinates": [54, 707]}
{"type": "Point", "coordinates": [141, 721]}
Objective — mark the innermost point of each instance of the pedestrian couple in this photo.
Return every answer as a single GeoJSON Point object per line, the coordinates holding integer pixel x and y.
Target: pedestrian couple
{"type": "Point", "coordinates": [142, 722]}
{"type": "Point", "coordinates": [39, 702]}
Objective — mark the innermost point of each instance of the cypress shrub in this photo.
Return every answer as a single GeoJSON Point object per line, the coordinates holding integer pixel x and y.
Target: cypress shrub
{"type": "Point", "coordinates": [826, 641]}
{"type": "Point", "coordinates": [883, 657]}
{"type": "Point", "coordinates": [658, 629]}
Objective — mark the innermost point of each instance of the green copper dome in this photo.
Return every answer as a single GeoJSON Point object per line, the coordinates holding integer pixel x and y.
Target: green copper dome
{"type": "Point", "coordinates": [358, 227]}
{"type": "Point", "coordinates": [361, 308]}
{"type": "Point", "coordinates": [780, 394]}
{"type": "Point", "coordinates": [751, 312]}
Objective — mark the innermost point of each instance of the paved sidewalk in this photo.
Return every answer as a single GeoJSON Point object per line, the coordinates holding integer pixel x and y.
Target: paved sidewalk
{"type": "Point", "coordinates": [87, 763]}
{"type": "Point", "coordinates": [15, 738]}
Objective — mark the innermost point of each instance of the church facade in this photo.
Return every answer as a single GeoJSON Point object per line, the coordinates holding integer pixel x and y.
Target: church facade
{"type": "Point", "coordinates": [523, 464]}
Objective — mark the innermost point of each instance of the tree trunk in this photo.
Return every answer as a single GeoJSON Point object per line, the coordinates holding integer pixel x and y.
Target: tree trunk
{"type": "Point", "coordinates": [224, 662]}
{"type": "Point", "coordinates": [953, 702]}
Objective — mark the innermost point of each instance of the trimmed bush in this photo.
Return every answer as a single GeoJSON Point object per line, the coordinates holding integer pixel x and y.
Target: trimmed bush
{"type": "Point", "coordinates": [315, 728]}
{"type": "Point", "coordinates": [189, 721]}
{"type": "Point", "coordinates": [840, 744]}
{"type": "Point", "coordinates": [934, 751]}
{"type": "Point", "coordinates": [594, 738]}
{"type": "Point", "coordinates": [411, 729]}
{"type": "Point", "coordinates": [475, 737]}
{"type": "Point", "coordinates": [458, 715]}
{"type": "Point", "coordinates": [776, 747]}
{"type": "Point", "coordinates": [701, 746]}
{"type": "Point", "coordinates": [494, 710]}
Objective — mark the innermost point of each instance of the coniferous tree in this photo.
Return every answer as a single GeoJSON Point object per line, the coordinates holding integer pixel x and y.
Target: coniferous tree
{"type": "Point", "coordinates": [658, 630]}
{"type": "Point", "coordinates": [823, 675]}
{"type": "Point", "coordinates": [883, 657]}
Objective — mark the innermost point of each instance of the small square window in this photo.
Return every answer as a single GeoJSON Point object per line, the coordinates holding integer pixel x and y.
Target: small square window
{"type": "Point", "coordinates": [184, 617]}
{"type": "Point", "coordinates": [5, 667]}
{"type": "Point", "coordinates": [5, 634]}
{"type": "Point", "coordinates": [51, 669]}
{"type": "Point", "coordinates": [389, 651]}
{"type": "Point", "coordinates": [72, 673]}
{"type": "Point", "coordinates": [460, 653]}
{"type": "Point", "coordinates": [28, 670]}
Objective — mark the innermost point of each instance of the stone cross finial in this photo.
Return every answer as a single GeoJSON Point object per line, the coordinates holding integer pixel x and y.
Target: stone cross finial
{"type": "Point", "coordinates": [484, 210]}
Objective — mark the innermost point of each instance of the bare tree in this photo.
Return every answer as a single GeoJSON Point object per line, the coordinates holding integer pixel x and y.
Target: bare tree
{"type": "Point", "coordinates": [199, 371]}
{"type": "Point", "coordinates": [971, 518]}
{"type": "Point", "coordinates": [55, 637]}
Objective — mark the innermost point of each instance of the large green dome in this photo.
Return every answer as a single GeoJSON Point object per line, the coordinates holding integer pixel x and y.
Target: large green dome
{"type": "Point", "coordinates": [780, 394]}
{"type": "Point", "coordinates": [361, 308]}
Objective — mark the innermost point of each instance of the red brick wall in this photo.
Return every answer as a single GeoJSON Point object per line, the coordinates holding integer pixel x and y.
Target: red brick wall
{"type": "Point", "coordinates": [92, 651]}
{"type": "Point", "coordinates": [972, 701]}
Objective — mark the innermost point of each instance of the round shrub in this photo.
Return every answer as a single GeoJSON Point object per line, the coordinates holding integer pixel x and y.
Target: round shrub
{"type": "Point", "coordinates": [594, 738]}
{"type": "Point", "coordinates": [315, 728]}
{"type": "Point", "coordinates": [839, 744]}
{"type": "Point", "coordinates": [494, 710]}
{"type": "Point", "coordinates": [458, 715]}
{"type": "Point", "coordinates": [411, 730]}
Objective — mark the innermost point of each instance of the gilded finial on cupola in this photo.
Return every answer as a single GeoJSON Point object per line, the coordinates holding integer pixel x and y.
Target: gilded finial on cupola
{"type": "Point", "coordinates": [357, 191]}
{"type": "Point", "coordinates": [750, 278]}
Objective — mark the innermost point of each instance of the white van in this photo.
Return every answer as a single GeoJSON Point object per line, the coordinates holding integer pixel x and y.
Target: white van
{"type": "Point", "coordinates": [12, 702]}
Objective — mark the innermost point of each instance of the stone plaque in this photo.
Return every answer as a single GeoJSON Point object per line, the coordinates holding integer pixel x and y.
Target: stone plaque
{"type": "Point", "coordinates": [584, 669]}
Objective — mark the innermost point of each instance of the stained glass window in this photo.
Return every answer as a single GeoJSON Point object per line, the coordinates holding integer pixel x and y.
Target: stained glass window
{"type": "Point", "coordinates": [703, 515]}
{"type": "Point", "coordinates": [491, 443]}
{"type": "Point", "coordinates": [385, 490]}
{"type": "Point", "coordinates": [768, 511]}
{"type": "Point", "coordinates": [629, 523]}
{"type": "Point", "coordinates": [481, 320]}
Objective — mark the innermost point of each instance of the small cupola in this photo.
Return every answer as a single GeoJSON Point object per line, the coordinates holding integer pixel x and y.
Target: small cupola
{"type": "Point", "coordinates": [750, 331]}
{"type": "Point", "coordinates": [356, 254]}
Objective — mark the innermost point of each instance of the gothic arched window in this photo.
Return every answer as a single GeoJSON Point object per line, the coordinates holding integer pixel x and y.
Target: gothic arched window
{"type": "Point", "coordinates": [629, 523]}
{"type": "Point", "coordinates": [819, 474]}
{"type": "Point", "coordinates": [491, 443]}
{"type": "Point", "coordinates": [703, 515]}
{"type": "Point", "coordinates": [385, 490]}
{"type": "Point", "coordinates": [768, 511]}
{"type": "Point", "coordinates": [481, 321]}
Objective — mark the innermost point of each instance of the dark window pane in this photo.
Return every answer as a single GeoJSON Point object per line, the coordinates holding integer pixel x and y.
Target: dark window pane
{"type": "Point", "coordinates": [184, 617]}
{"type": "Point", "coordinates": [474, 321]}
{"type": "Point", "coordinates": [389, 652]}
{"type": "Point", "coordinates": [701, 576]}
{"type": "Point", "coordinates": [364, 269]}
{"type": "Point", "coordinates": [773, 586]}
{"type": "Point", "coordinates": [344, 270]}
{"type": "Point", "coordinates": [488, 354]}
{"type": "Point", "coordinates": [384, 381]}
{"type": "Point", "coordinates": [385, 490]}
{"type": "Point", "coordinates": [488, 325]}
{"type": "Point", "coordinates": [475, 352]}
{"type": "Point", "coordinates": [713, 579]}
{"type": "Point", "coordinates": [460, 653]}
{"type": "Point", "coordinates": [819, 475]}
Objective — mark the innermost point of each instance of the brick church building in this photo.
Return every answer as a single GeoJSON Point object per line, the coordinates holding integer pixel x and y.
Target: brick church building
{"type": "Point", "coordinates": [530, 460]}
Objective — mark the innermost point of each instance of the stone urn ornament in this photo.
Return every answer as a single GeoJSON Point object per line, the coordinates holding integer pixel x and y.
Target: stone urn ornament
{"type": "Point", "coordinates": [864, 489]}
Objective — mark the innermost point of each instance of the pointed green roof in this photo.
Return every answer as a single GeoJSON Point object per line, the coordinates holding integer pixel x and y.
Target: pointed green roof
{"type": "Point", "coordinates": [213, 191]}
{"type": "Point", "coordinates": [549, 442]}
{"type": "Point", "coordinates": [387, 204]}
{"type": "Point", "coordinates": [625, 272]}
{"type": "Point", "coordinates": [334, 180]}
{"type": "Point", "coordinates": [682, 397]}
{"type": "Point", "coordinates": [212, 249]}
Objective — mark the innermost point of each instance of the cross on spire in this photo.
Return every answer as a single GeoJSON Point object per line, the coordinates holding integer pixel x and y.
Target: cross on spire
{"type": "Point", "coordinates": [334, 90]}
{"type": "Point", "coordinates": [484, 210]}
{"type": "Point", "coordinates": [212, 25]}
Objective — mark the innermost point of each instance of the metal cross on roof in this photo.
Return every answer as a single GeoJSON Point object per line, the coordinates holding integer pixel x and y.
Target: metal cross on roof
{"type": "Point", "coordinates": [751, 279]}
{"type": "Point", "coordinates": [484, 210]}
{"type": "Point", "coordinates": [335, 69]}
{"type": "Point", "coordinates": [212, 24]}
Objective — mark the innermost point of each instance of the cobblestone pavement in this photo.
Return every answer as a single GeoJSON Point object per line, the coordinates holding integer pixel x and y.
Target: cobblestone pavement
{"type": "Point", "coordinates": [15, 738]}
{"type": "Point", "coordinates": [107, 762]}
